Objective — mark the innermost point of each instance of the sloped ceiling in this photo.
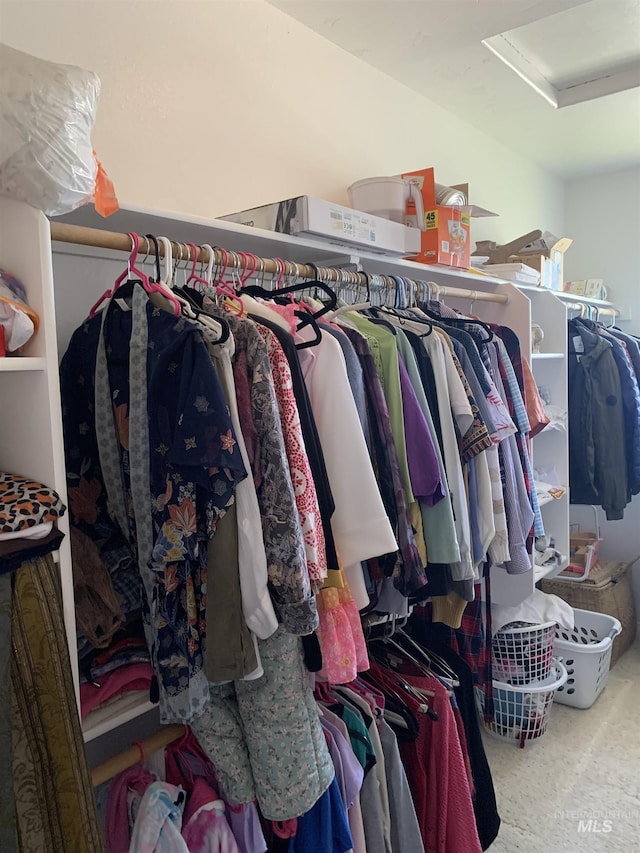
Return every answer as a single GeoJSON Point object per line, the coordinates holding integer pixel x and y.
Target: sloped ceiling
{"type": "Point", "coordinates": [435, 47]}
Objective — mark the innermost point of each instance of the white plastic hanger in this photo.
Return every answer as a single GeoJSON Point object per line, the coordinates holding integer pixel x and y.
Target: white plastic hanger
{"type": "Point", "coordinates": [187, 309]}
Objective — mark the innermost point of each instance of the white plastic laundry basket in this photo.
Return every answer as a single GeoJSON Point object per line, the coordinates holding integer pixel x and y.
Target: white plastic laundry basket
{"type": "Point", "coordinates": [586, 654]}
{"type": "Point", "coordinates": [521, 713]}
{"type": "Point", "coordinates": [523, 655]}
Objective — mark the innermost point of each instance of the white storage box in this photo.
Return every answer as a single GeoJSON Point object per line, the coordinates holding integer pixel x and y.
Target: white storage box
{"type": "Point", "coordinates": [586, 654]}
{"type": "Point", "coordinates": [306, 216]}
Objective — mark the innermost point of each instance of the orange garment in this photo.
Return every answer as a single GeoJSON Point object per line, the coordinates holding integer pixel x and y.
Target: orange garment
{"type": "Point", "coordinates": [532, 401]}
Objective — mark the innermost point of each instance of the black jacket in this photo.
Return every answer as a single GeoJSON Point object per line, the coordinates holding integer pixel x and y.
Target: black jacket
{"type": "Point", "coordinates": [597, 457]}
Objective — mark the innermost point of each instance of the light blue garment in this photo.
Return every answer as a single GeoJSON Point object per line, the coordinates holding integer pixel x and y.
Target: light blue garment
{"type": "Point", "coordinates": [524, 428]}
{"type": "Point", "coordinates": [159, 822]}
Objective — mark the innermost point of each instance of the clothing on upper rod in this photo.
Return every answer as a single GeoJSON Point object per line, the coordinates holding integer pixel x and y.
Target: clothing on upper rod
{"type": "Point", "coordinates": [367, 458]}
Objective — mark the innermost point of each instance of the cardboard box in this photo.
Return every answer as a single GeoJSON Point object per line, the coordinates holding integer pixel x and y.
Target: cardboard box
{"type": "Point", "coordinates": [446, 238]}
{"type": "Point", "coordinates": [307, 216]}
{"type": "Point", "coordinates": [547, 255]}
{"type": "Point", "coordinates": [543, 252]}
{"type": "Point", "coordinates": [577, 287]}
{"type": "Point", "coordinates": [592, 287]}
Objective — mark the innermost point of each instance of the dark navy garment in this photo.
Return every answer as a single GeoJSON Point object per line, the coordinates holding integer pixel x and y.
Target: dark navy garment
{"type": "Point", "coordinates": [191, 469]}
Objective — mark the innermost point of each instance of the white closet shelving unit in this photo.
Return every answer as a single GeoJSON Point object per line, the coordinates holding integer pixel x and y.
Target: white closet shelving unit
{"type": "Point", "coordinates": [551, 446]}
{"type": "Point", "coordinates": [30, 421]}
{"type": "Point", "coordinates": [31, 442]}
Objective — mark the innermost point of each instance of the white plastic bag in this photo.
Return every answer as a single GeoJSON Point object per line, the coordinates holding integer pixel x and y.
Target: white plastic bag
{"type": "Point", "coordinates": [47, 112]}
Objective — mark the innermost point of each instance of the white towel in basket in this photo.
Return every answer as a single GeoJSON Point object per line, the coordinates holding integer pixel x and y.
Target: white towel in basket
{"type": "Point", "coordinates": [539, 607]}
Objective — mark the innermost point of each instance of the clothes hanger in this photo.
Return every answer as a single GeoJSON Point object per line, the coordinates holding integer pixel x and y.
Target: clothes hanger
{"type": "Point", "coordinates": [189, 306]}
{"type": "Point", "coordinates": [227, 289]}
{"type": "Point", "coordinates": [141, 277]}
{"type": "Point", "coordinates": [258, 290]}
{"type": "Point", "coordinates": [425, 670]}
{"type": "Point", "coordinates": [418, 694]}
{"type": "Point", "coordinates": [387, 640]}
{"type": "Point", "coordinates": [354, 306]}
{"type": "Point", "coordinates": [307, 318]}
{"type": "Point", "coordinates": [432, 658]}
{"type": "Point", "coordinates": [456, 321]}
{"type": "Point", "coordinates": [154, 240]}
{"type": "Point", "coordinates": [402, 316]}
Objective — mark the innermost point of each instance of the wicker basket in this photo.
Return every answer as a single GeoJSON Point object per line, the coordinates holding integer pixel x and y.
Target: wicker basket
{"type": "Point", "coordinates": [608, 589]}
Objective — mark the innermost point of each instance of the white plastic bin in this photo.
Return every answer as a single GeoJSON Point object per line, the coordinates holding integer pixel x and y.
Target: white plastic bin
{"type": "Point", "coordinates": [586, 654]}
{"type": "Point", "coordinates": [521, 713]}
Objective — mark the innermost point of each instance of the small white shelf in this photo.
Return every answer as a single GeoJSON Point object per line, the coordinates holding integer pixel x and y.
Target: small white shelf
{"type": "Point", "coordinates": [546, 356]}
{"type": "Point", "coordinates": [9, 364]}
{"type": "Point", "coordinates": [269, 244]}
{"type": "Point", "coordinates": [112, 714]}
{"type": "Point", "coordinates": [567, 297]}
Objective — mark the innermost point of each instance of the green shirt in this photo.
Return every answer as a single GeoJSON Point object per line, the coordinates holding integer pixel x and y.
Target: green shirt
{"type": "Point", "coordinates": [385, 353]}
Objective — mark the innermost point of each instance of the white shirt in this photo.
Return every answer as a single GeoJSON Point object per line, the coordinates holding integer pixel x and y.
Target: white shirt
{"type": "Point", "coordinates": [361, 528]}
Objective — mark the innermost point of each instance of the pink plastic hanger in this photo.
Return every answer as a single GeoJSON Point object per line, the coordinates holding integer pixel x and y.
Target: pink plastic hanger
{"type": "Point", "coordinates": [246, 256]}
{"type": "Point", "coordinates": [150, 287]}
{"type": "Point", "coordinates": [228, 288]}
{"type": "Point", "coordinates": [194, 278]}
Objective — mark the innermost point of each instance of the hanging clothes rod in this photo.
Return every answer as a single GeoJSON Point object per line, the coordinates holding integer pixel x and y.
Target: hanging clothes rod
{"type": "Point", "coordinates": [96, 237]}
{"type": "Point", "coordinates": [135, 753]}
{"type": "Point", "coordinates": [584, 306]}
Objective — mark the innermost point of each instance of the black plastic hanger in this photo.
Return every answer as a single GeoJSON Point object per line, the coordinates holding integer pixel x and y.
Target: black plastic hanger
{"type": "Point", "coordinates": [195, 300]}
{"type": "Point", "coordinates": [257, 290]}
{"type": "Point", "coordinates": [404, 314]}
{"type": "Point", "coordinates": [459, 321]}
{"type": "Point", "coordinates": [154, 240]}
{"type": "Point", "coordinates": [373, 316]}
{"type": "Point", "coordinates": [307, 318]}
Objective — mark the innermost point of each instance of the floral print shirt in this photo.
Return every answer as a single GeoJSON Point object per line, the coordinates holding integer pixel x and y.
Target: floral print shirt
{"type": "Point", "coordinates": [301, 476]}
{"type": "Point", "coordinates": [284, 542]}
{"type": "Point", "coordinates": [157, 462]}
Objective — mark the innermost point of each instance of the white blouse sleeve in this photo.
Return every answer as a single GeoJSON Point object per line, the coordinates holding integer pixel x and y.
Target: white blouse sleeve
{"type": "Point", "coordinates": [360, 525]}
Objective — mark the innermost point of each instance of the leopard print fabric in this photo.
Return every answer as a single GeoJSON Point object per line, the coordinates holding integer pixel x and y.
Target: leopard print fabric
{"type": "Point", "coordinates": [26, 503]}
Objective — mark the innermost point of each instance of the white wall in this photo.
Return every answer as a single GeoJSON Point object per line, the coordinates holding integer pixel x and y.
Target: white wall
{"type": "Point", "coordinates": [214, 106]}
{"type": "Point", "coordinates": [603, 217]}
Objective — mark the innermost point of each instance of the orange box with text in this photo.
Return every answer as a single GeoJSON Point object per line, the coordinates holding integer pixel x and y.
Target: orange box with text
{"type": "Point", "coordinates": [446, 238]}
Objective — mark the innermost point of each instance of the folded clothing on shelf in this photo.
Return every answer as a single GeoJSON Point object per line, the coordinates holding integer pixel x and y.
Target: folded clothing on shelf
{"type": "Point", "coordinates": [25, 504]}
{"type": "Point", "coordinates": [15, 552]}
{"type": "Point", "coordinates": [122, 680]}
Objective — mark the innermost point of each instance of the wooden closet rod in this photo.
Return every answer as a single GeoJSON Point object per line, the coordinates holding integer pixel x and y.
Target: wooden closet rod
{"type": "Point", "coordinates": [82, 236]}
{"type": "Point", "coordinates": [134, 754]}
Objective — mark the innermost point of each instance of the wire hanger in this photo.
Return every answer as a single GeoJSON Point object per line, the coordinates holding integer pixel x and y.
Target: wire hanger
{"type": "Point", "coordinates": [403, 314]}
{"type": "Point", "coordinates": [455, 321]}
{"type": "Point", "coordinates": [432, 658]}
{"type": "Point", "coordinates": [227, 289]}
{"type": "Point", "coordinates": [141, 277]}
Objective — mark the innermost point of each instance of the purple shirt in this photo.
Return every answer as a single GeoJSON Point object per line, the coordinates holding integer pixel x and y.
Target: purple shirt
{"type": "Point", "coordinates": [349, 772]}
{"type": "Point", "coordinates": [421, 453]}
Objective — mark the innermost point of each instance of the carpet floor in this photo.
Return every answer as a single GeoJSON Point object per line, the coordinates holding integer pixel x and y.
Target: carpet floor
{"type": "Point", "coordinates": [578, 788]}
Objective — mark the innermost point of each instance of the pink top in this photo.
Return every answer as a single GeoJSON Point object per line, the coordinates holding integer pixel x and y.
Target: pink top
{"type": "Point", "coordinates": [204, 825]}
